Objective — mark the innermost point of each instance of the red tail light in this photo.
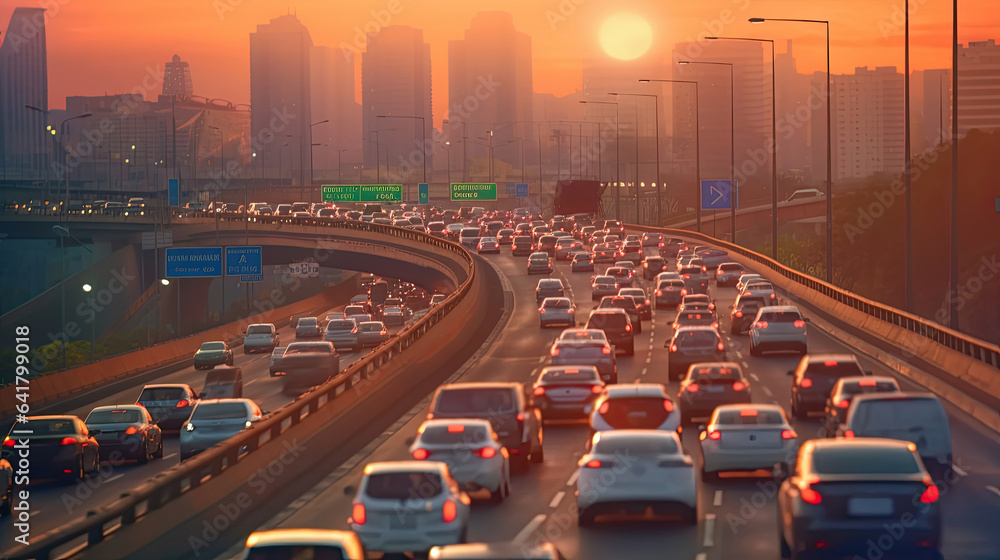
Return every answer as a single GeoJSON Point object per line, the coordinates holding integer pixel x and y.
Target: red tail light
{"type": "Point", "coordinates": [554, 352]}
{"type": "Point", "coordinates": [542, 310]}
{"type": "Point", "coordinates": [800, 324]}
{"type": "Point", "coordinates": [131, 430]}
{"type": "Point", "coordinates": [520, 417]}
{"type": "Point", "coordinates": [810, 496]}
{"type": "Point", "coordinates": [692, 388]}
{"type": "Point", "coordinates": [604, 408]}
{"type": "Point", "coordinates": [788, 434]}
{"type": "Point", "coordinates": [68, 441]}
{"type": "Point", "coordinates": [721, 347]}
{"type": "Point", "coordinates": [715, 434]}
{"type": "Point", "coordinates": [593, 464]}
{"type": "Point", "coordinates": [687, 276]}
{"type": "Point", "coordinates": [647, 302]}
{"type": "Point", "coordinates": [668, 405]}
{"type": "Point", "coordinates": [739, 313]}
{"type": "Point", "coordinates": [761, 324]}
{"type": "Point", "coordinates": [7, 442]}
{"type": "Point", "coordinates": [659, 292]}
{"type": "Point", "coordinates": [746, 293]}
{"type": "Point", "coordinates": [539, 391]}
{"type": "Point", "coordinates": [842, 403]}
{"type": "Point", "coordinates": [421, 454]}
{"type": "Point", "coordinates": [449, 512]}
{"type": "Point", "coordinates": [358, 514]}
{"type": "Point", "coordinates": [830, 363]}
{"type": "Point", "coordinates": [628, 328]}
{"type": "Point", "coordinates": [673, 347]}
{"type": "Point", "coordinates": [806, 382]}
{"type": "Point", "coordinates": [183, 403]}
{"type": "Point", "coordinates": [931, 494]}
{"type": "Point", "coordinates": [684, 292]}
{"type": "Point", "coordinates": [773, 296]}
{"type": "Point", "coordinates": [606, 350]}
{"type": "Point", "coordinates": [715, 325]}
{"type": "Point", "coordinates": [485, 452]}
{"type": "Point", "coordinates": [867, 383]}
{"type": "Point", "coordinates": [739, 386]}
{"type": "Point", "coordinates": [849, 434]}
{"type": "Point", "coordinates": [354, 330]}
{"type": "Point", "coordinates": [596, 389]}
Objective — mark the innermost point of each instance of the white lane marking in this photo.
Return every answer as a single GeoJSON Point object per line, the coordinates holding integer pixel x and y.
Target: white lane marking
{"type": "Point", "coordinates": [643, 371]}
{"type": "Point", "coordinates": [541, 359]}
{"type": "Point", "coordinates": [718, 498]}
{"type": "Point", "coordinates": [701, 556]}
{"type": "Point", "coordinates": [572, 478]}
{"type": "Point", "coordinates": [649, 360]}
{"type": "Point", "coordinates": [994, 489]}
{"type": "Point", "coordinates": [116, 477]}
{"type": "Point", "coordinates": [754, 377]}
{"type": "Point", "coordinates": [530, 528]}
{"type": "Point", "coordinates": [739, 354]}
{"type": "Point", "coordinates": [745, 364]}
{"type": "Point", "coordinates": [768, 392]}
{"type": "Point", "coordinates": [36, 512]}
{"type": "Point", "coordinates": [709, 530]}
{"type": "Point", "coordinates": [556, 499]}
{"type": "Point", "coordinates": [959, 470]}
{"type": "Point", "coordinates": [249, 383]}
{"type": "Point", "coordinates": [533, 372]}
{"type": "Point", "coordinates": [169, 456]}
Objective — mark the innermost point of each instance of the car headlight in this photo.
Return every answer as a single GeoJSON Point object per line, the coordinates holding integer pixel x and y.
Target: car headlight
{"type": "Point", "coordinates": [189, 427]}
{"type": "Point", "coordinates": [248, 424]}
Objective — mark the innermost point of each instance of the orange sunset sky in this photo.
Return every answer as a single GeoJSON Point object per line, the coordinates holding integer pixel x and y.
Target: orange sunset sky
{"type": "Point", "coordinates": [106, 46]}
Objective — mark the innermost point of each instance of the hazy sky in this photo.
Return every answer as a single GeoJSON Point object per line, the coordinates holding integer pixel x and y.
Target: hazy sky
{"type": "Point", "coordinates": [108, 46]}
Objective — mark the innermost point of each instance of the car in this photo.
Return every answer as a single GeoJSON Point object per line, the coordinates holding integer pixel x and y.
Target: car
{"type": "Point", "coordinates": [508, 406]}
{"type": "Point", "coordinates": [276, 356]}
{"type": "Point", "coordinates": [616, 325]}
{"type": "Point", "coordinates": [125, 433]}
{"type": "Point", "coordinates": [343, 334]}
{"type": "Point", "coordinates": [308, 327]}
{"type": "Point", "coordinates": [563, 392]}
{"type": "Point", "coordinates": [582, 262]}
{"type": "Point", "coordinates": [695, 279]}
{"type": "Point", "coordinates": [437, 299]}
{"type": "Point", "coordinates": [621, 274]}
{"type": "Point", "coordinates": [778, 328]}
{"type": "Point", "coordinates": [744, 313]}
{"type": "Point", "coordinates": [712, 257]}
{"type": "Point", "coordinates": [60, 446]}
{"type": "Point", "coordinates": [169, 404]}
{"type": "Point", "coordinates": [488, 245]}
{"type": "Point", "coordinates": [804, 194]}
{"type": "Point", "coordinates": [814, 378]}
{"type": "Point", "coordinates": [539, 263]}
{"type": "Point", "coordinates": [547, 244]}
{"type": "Point", "coordinates": [761, 289]}
{"type": "Point", "coordinates": [847, 494]}
{"type": "Point", "coordinates": [605, 252]}
{"type": "Point", "coordinates": [634, 406]}
{"type": "Point", "coordinates": [307, 364]}
{"type": "Point", "coordinates": [632, 251]}
{"type": "Point", "coordinates": [584, 233]}
{"type": "Point", "coordinates": [628, 265]}
{"type": "Point", "coordinates": [261, 337]}
{"type": "Point", "coordinates": [305, 543]}
{"type": "Point", "coordinates": [642, 302]}
{"type": "Point", "coordinates": [696, 301]}
{"type": "Point", "coordinates": [711, 384]}
{"type": "Point", "coordinates": [472, 451]}
{"type": "Point", "coordinates": [652, 240]}
{"type": "Point", "coordinates": [405, 506]}
{"type": "Point", "coordinates": [395, 314]}
{"type": "Point", "coordinates": [672, 246]}
{"type": "Point", "coordinates": [651, 266]}
{"type": "Point", "coordinates": [566, 248]}
{"type": "Point", "coordinates": [453, 230]}
{"type": "Point", "coordinates": [603, 286]}
{"type": "Point", "coordinates": [538, 231]}
{"type": "Point", "coordinates": [549, 287]}
{"type": "Point", "coordinates": [845, 390]}
{"type": "Point", "coordinates": [586, 347]}
{"type": "Point", "coordinates": [212, 354]}
{"type": "Point", "coordinates": [918, 418]}
{"type": "Point", "coordinates": [692, 345]}
{"type": "Point", "coordinates": [372, 333]}
{"type": "Point", "coordinates": [556, 311]}
{"type": "Point", "coordinates": [695, 318]}
{"type": "Point", "coordinates": [630, 471]}
{"type": "Point", "coordinates": [355, 309]}
{"type": "Point", "coordinates": [469, 237]}
{"type": "Point", "coordinates": [215, 420]}
{"type": "Point", "coordinates": [728, 274]}
{"type": "Point", "coordinates": [626, 303]}
{"type": "Point", "coordinates": [136, 206]}
{"type": "Point", "coordinates": [496, 551]}
{"type": "Point", "coordinates": [747, 437]}
{"type": "Point", "coordinates": [614, 227]}
{"type": "Point", "coordinates": [669, 293]}
{"type": "Point", "coordinates": [745, 279]}
{"type": "Point", "coordinates": [505, 236]}
{"type": "Point", "coordinates": [522, 245]}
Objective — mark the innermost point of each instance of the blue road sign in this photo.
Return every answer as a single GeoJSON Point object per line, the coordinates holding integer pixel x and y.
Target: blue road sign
{"type": "Point", "coordinates": [252, 278]}
{"type": "Point", "coordinates": [522, 190]}
{"type": "Point", "coordinates": [997, 202]}
{"type": "Point", "coordinates": [174, 192]}
{"type": "Point", "coordinates": [243, 261]}
{"type": "Point", "coordinates": [194, 262]}
{"type": "Point", "coordinates": [715, 195]}
{"type": "Point", "coordinates": [511, 189]}
{"type": "Point", "coordinates": [423, 193]}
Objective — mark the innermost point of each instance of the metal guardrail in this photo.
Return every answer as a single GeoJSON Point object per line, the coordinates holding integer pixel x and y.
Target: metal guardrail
{"type": "Point", "coordinates": [975, 348]}
{"type": "Point", "coordinates": [189, 475]}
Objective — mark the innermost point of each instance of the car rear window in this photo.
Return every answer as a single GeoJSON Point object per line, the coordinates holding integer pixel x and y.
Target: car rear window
{"type": "Point", "coordinates": [300, 348]}
{"type": "Point", "coordinates": [833, 368]}
{"type": "Point", "coordinates": [641, 413]}
{"type": "Point", "coordinates": [864, 460]}
{"type": "Point", "coordinates": [118, 416]}
{"type": "Point", "coordinates": [655, 261]}
{"type": "Point", "coordinates": [780, 316]}
{"type": "Point", "coordinates": [213, 346]}
{"type": "Point", "coordinates": [550, 284]}
{"type": "Point", "coordinates": [607, 321]}
{"type": "Point", "coordinates": [259, 329]}
{"type": "Point", "coordinates": [49, 427]}
{"type": "Point", "coordinates": [695, 316]}
{"type": "Point", "coordinates": [664, 284]}
{"type": "Point", "coordinates": [307, 322]}
{"type": "Point", "coordinates": [454, 433]}
{"type": "Point", "coordinates": [749, 417]}
{"type": "Point", "coordinates": [539, 258]}
{"type": "Point", "coordinates": [163, 394]}
{"type": "Point", "coordinates": [691, 270]}
{"type": "Point", "coordinates": [557, 304]}
{"type": "Point", "coordinates": [716, 373]}
{"type": "Point", "coordinates": [469, 232]}
{"type": "Point", "coordinates": [696, 338]}
{"type": "Point", "coordinates": [569, 376]}
{"type": "Point", "coordinates": [340, 324]}
{"type": "Point", "coordinates": [896, 414]}
{"type": "Point", "coordinates": [626, 446]}
{"type": "Point", "coordinates": [581, 336]}
{"type": "Point", "coordinates": [474, 400]}
{"type": "Point", "coordinates": [371, 327]}
{"type": "Point", "coordinates": [356, 309]}
{"type": "Point", "coordinates": [874, 387]}
{"type": "Point", "coordinates": [730, 267]}
{"type": "Point", "coordinates": [404, 485]}
{"type": "Point", "coordinates": [219, 411]}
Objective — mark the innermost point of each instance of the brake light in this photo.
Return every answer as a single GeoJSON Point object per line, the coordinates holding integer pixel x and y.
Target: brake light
{"type": "Point", "coordinates": [7, 442]}
{"type": "Point", "coordinates": [520, 417]}
{"type": "Point", "coordinates": [830, 363]}
{"type": "Point", "coordinates": [456, 428]}
{"type": "Point", "coordinates": [806, 382]}
{"type": "Point", "coordinates": [692, 388]}
{"type": "Point", "coordinates": [421, 454]}
{"type": "Point", "coordinates": [606, 350]}
{"type": "Point", "coordinates": [739, 314]}
{"type": "Point", "coordinates": [849, 434]}
{"type": "Point", "coordinates": [659, 292]}
{"type": "Point", "coordinates": [358, 514]}
{"type": "Point", "coordinates": [183, 403]}
{"type": "Point", "coordinates": [746, 293]}
{"type": "Point", "coordinates": [68, 441]}
{"type": "Point", "coordinates": [647, 302]}
{"type": "Point", "coordinates": [554, 352]}
{"type": "Point", "coordinates": [628, 328]}
{"type": "Point", "coordinates": [715, 325]}
{"type": "Point", "coordinates": [748, 412]}
{"type": "Point", "coordinates": [673, 347]}
{"type": "Point", "coordinates": [715, 434]}
{"type": "Point", "coordinates": [721, 347]}
{"type": "Point", "coordinates": [931, 494]}
{"type": "Point", "coordinates": [687, 276]}
{"type": "Point", "coordinates": [841, 403]}
{"type": "Point", "coordinates": [773, 296]}
{"type": "Point", "coordinates": [541, 310]}
{"type": "Point", "coordinates": [539, 391]}
{"type": "Point", "coordinates": [810, 496]}
{"type": "Point", "coordinates": [867, 383]}
{"type": "Point", "coordinates": [739, 386]}
{"type": "Point", "coordinates": [684, 292]}
{"type": "Point", "coordinates": [761, 324]}
{"type": "Point", "coordinates": [449, 512]}
{"type": "Point", "coordinates": [596, 389]}
{"type": "Point", "coordinates": [593, 464]}
{"type": "Point", "coordinates": [788, 434]}
{"type": "Point", "coordinates": [131, 430]}
{"type": "Point", "coordinates": [354, 330]}
{"type": "Point", "coordinates": [604, 408]}
{"type": "Point", "coordinates": [668, 405]}
{"type": "Point", "coordinates": [800, 324]}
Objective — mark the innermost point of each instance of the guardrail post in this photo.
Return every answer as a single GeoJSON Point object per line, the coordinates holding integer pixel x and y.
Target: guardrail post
{"type": "Point", "coordinates": [96, 533]}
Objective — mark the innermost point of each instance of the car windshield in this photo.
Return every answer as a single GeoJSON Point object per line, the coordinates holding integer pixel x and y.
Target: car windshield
{"type": "Point", "coordinates": [573, 375]}
{"type": "Point", "coordinates": [454, 433]}
{"type": "Point", "coordinates": [213, 346]}
{"type": "Point", "coordinates": [117, 416]}
{"type": "Point", "coordinates": [259, 329]}
{"type": "Point", "coordinates": [475, 400]}
{"type": "Point", "coordinates": [307, 322]}
{"type": "Point", "coordinates": [749, 417]}
{"type": "Point", "coordinates": [864, 460]}
{"type": "Point", "coordinates": [404, 485]}
{"type": "Point", "coordinates": [636, 445]}
{"type": "Point", "coordinates": [162, 394]}
{"type": "Point", "coordinates": [219, 411]}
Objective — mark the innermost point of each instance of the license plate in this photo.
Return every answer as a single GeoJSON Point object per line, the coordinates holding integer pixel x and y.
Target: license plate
{"type": "Point", "coordinates": [869, 507]}
{"type": "Point", "coordinates": [408, 522]}
{"type": "Point", "coordinates": [715, 389]}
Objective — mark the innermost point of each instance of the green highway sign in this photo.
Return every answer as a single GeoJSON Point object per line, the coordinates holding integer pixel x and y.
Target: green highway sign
{"type": "Point", "coordinates": [473, 191]}
{"type": "Point", "coordinates": [362, 193]}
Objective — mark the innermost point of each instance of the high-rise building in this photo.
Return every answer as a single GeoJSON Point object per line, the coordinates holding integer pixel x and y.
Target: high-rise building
{"type": "Point", "coordinates": [24, 142]}
{"type": "Point", "coordinates": [794, 114]}
{"type": "Point", "coordinates": [978, 91]}
{"type": "Point", "coordinates": [489, 82]}
{"type": "Point", "coordinates": [396, 82]}
{"type": "Point", "coordinates": [339, 140]}
{"type": "Point", "coordinates": [177, 78]}
{"type": "Point", "coordinates": [280, 99]}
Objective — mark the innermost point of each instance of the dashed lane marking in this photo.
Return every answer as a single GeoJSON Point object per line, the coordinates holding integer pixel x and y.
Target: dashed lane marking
{"type": "Point", "coordinates": [530, 528]}
{"type": "Point", "coordinates": [701, 556]}
{"type": "Point", "coordinates": [745, 364]}
{"type": "Point", "coordinates": [572, 478]}
{"type": "Point", "coordinates": [718, 498]}
{"type": "Point", "coordinates": [709, 530]}
{"type": "Point", "coordinates": [994, 489]}
{"type": "Point", "coordinates": [556, 499]}
{"type": "Point", "coordinates": [643, 371]}
{"type": "Point", "coordinates": [959, 470]}
{"type": "Point", "coordinates": [739, 354]}
{"type": "Point", "coordinates": [541, 359]}
{"type": "Point", "coordinates": [754, 376]}
{"type": "Point", "coordinates": [533, 372]}
{"type": "Point", "coordinates": [116, 477]}
{"type": "Point", "coordinates": [768, 392]}
{"type": "Point", "coordinates": [169, 456]}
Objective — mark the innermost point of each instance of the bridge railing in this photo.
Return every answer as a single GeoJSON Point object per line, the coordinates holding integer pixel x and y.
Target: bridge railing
{"type": "Point", "coordinates": [197, 471]}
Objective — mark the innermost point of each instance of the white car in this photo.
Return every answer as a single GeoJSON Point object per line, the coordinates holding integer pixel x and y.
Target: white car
{"type": "Point", "coordinates": [488, 245]}
{"type": "Point", "coordinates": [472, 451]}
{"type": "Point", "coordinates": [778, 328]}
{"type": "Point", "coordinates": [311, 543]}
{"type": "Point", "coordinates": [745, 279]}
{"type": "Point", "coordinates": [393, 315]}
{"type": "Point", "coordinates": [747, 437]}
{"type": "Point", "coordinates": [760, 288]}
{"type": "Point", "coordinates": [635, 406]}
{"type": "Point", "coordinates": [557, 311]}
{"type": "Point", "coordinates": [631, 470]}
{"type": "Point", "coordinates": [262, 337]}
{"type": "Point", "coordinates": [407, 506]}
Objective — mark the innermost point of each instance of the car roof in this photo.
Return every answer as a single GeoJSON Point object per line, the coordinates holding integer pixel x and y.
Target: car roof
{"type": "Point", "coordinates": [482, 385]}
{"type": "Point", "coordinates": [644, 434]}
{"type": "Point", "coordinates": [494, 551]}
{"type": "Point", "coordinates": [897, 396]}
{"type": "Point", "coordinates": [695, 328]}
{"type": "Point", "coordinates": [261, 325]}
{"type": "Point", "coordinates": [347, 540]}
{"type": "Point", "coordinates": [53, 417]}
{"type": "Point", "coordinates": [451, 421]}
{"type": "Point", "coordinates": [636, 390]}
{"type": "Point", "coordinates": [167, 386]}
{"type": "Point", "coordinates": [222, 401]}
{"type": "Point", "coordinates": [855, 443]}
{"type": "Point", "coordinates": [756, 406]}
{"type": "Point", "coordinates": [731, 365]}
{"type": "Point", "coordinates": [115, 406]}
{"type": "Point", "coordinates": [382, 467]}
{"type": "Point", "coordinates": [812, 358]}
{"type": "Point", "coordinates": [779, 309]}
{"type": "Point", "coordinates": [868, 378]}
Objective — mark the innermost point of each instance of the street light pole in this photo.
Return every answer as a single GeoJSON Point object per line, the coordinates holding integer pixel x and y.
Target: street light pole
{"type": "Point", "coordinates": [617, 185]}
{"type": "Point", "coordinates": [63, 234]}
{"type": "Point", "coordinates": [339, 151]}
{"type": "Point", "coordinates": [311, 146]}
{"type": "Point", "coordinates": [953, 273]}
{"type": "Point", "coordinates": [87, 288]}
{"type": "Point", "coordinates": [656, 119]}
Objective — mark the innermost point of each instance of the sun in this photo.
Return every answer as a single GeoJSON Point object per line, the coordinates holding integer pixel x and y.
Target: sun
{"type": "Point", "coordinates": [626, 36]}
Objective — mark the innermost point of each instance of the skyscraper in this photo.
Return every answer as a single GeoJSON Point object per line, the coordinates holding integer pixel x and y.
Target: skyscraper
{"type": "Point", "coordinates": [396, 81]}
{"type": "Point", "coordinates": [24, 142]}
{"type": "Point", "coordinates": [978, 94]}
{"type": "Point", "coordinates": [177, 78]}
{"type": "Point", "coordinates": [280, 99]}
{"type": "Point", "coordinates": [332, 82]}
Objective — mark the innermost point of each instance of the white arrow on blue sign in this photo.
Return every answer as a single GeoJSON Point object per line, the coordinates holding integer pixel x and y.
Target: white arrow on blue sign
{"type": "Point", "coordinates": [716, 195]}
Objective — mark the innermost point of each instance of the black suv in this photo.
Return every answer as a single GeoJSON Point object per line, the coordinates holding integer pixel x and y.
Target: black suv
{"type": "Point", "coordinates": [651, 266]}
{"type": "Point", "coordinates": [509, 407]}
{"type": "Point", "coordinates": [815, 377]}
{"type": "Point", "coordinates": [626, 303]}
{"type": "Point", "coordinates": [743, 314]}
{"type": "Point", "coordinates": [616, 326]}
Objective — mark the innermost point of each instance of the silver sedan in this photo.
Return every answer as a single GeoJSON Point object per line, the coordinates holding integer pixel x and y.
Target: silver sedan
{"type": "Point", "coordinates": [372, 333]}
{"type": "Point", "coordinates": [557, 311]}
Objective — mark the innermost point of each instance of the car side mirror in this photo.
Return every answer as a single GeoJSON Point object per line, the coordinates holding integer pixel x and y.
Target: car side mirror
{"type": "Point", "coordinates": [265, 413]}
{"type": "Point", "coordinates": [791, 372]}
{"type": "Point", "coordinates": [806, 319]}
{"type": "Point", "coordinates": [95, 432]}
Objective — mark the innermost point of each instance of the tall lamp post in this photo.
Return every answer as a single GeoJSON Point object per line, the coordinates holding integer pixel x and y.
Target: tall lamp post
{"type": "Point", "coordinates": [953, 274]}
{"type": "Point", "coordinates": [87, 288]}
{"type": "Point", "coordinates": [618, 200]}
{"type": "Point", "coordinates": [733, 194]}
{"type": "Point", "coordinates": [448, 144]}
{"type": "Point", "coordinates": [657, 184]}
{"type": "Point", "coordinates": [63, 234]}
{"type": "Point", "coordinates": [311, 146]}
{"type": "Point", "coordinates": [339, 151]}
{"type": "Point", "coordinates": [774, 142]}
{"type": "Point", "coordinates": [829, 136]}
{"type": "Point", "coordinates": [465, 153]}
{"type": "Point", "coordinates": [62, 133]}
